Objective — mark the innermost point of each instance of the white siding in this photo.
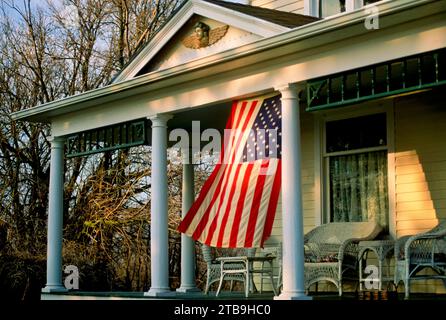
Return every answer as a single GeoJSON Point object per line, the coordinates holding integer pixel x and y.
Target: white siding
{"type": "Point", "coordinates": [295, 6]}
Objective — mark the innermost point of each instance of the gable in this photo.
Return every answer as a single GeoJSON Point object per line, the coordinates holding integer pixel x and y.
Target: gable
{"type": "Point", "coordinates": [185, 46]}
{"type": "Point", "coordinates": [165, 49]}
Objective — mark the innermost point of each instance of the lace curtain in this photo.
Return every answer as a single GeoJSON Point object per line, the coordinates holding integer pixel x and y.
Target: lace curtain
{"type": "Point", "coordinates": [358, 185]}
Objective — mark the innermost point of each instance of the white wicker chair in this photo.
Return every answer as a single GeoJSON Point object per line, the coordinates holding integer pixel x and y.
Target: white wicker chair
{"type": "Point", "coordinates": [233, 271]}
{"type": "Point", "coordinates": [274, 251]}
{"type": "Point", "coordinates": [331, 251]}
{"type": "Point", "coordinates": [418, 252]}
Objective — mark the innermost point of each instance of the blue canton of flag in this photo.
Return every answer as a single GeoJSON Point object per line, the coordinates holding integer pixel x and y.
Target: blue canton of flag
{"type": "Point", "coordinates": [265, 138]}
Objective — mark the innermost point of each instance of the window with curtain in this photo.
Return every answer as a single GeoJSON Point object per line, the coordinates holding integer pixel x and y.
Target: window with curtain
{"type": "Point", "coordinates": [356, 164]}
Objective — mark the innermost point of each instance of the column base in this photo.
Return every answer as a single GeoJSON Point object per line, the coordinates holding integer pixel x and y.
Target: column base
{"type": "Point", "coordinates": [54, 289]}
{"type": "Point", "coordinates": [293, 296]}
{"type": "Point", "coordinates": [188, 289]}
{"type": "Point", "coordinates": [159, 292]}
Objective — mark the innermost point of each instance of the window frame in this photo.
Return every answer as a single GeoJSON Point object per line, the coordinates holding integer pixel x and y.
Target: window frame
{"type": "Point", "coordinates": [322, 184]}
{"type": "Point", "coordinates": [311, 7]}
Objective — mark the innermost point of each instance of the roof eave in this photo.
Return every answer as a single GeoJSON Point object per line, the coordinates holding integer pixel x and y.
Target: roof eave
{"type": "Point", "coordinates": [165, 78]}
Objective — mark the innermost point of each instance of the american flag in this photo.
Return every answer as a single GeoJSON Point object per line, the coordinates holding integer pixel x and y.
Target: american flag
{"type": "Point", "coordinates": [237, 204]}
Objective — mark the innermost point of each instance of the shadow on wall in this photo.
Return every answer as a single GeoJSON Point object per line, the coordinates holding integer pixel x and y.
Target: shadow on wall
{"type": "Point", "coordinates": [420, 162]}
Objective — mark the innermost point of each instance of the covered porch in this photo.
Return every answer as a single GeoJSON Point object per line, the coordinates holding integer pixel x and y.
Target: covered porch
{"type": "Point", "coordinates": [315, 68]}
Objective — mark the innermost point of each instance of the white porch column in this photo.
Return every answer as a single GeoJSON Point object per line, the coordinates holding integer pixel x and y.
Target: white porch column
{"type": "Point", "coordinates": [292, 209]}
{"type": "Point", "coordinates": [187, 243]}
{"type": "Point", "coordinates": [159, 235]}
{"type": "Point", "coordinates": [55, 218]}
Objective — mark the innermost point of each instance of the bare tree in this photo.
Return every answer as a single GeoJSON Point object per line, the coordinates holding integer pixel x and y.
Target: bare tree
{"type": "Point", "coordinates": [50, 51]}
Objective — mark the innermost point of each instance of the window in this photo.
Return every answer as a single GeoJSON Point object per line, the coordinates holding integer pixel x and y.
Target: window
{"type": "Point", "coordinates": [356, 169]}
{"type": "Point", "coordinates": [327, 8]}
{"type": "Point", "coordinates": [331, 7]}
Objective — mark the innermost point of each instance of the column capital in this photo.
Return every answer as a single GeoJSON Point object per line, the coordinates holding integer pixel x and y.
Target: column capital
{"type": "Point", "coordinates": [160, 120]}
{"type": "Point", "coordinates": [288, 91]}
{"type": "Point", "coordinates": [56, 142]}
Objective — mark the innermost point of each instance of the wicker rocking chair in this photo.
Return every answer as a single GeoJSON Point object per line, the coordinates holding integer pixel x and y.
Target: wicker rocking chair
{"type": "Point", "coordinates": [331, 251]}
{"type": "Point", "coordinates": [418, 252]}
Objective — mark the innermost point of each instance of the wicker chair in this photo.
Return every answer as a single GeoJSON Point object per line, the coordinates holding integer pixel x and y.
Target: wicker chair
{"type": "Point", "coordinates": [233, 271]}
{"type": "Point", "coordinates": [418, 252]}
{"type": "Point", "coordinates": [275, 251]}
{"type": "Point", "coordinates": [331, 251]}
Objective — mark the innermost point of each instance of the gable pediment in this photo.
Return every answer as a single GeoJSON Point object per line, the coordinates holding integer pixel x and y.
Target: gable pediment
{"type": "Point", "coordinates": [188, 45]}
{"type": "Point", "coordinates": [176, 43]}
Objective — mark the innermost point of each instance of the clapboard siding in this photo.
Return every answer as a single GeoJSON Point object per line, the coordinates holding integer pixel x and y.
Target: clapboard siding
{"type": "Point", "coordinates": [296, 6]}
{"type": "Point", "coordinates": [420, 162]}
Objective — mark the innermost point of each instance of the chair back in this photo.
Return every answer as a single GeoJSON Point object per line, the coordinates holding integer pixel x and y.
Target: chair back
{"type": "Point", "coordinates": [207, 253]}
{"type": "Point", "coordinates": [338, 232]}
{"type": "Point", "coordinates": [211, 253]}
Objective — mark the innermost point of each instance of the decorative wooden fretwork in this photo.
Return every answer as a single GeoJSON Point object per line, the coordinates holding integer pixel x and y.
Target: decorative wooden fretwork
{"type": "Point", "coordinates": [390, 78]}
{"type": "Point", "coordinates": [119, 136]}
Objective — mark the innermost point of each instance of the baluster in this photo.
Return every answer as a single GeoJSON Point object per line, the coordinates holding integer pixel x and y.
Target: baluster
{"type": "Point", "coordinates": [328, 90]}
{"type": "Point", "coordinates": [404, 72]}
{"type": "Point", "coordinates": [420, 74]}
{"type": "Point", "coordinates": [437, 68]}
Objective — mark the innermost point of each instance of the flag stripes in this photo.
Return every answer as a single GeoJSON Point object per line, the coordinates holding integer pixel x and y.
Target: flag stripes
{"type": "Point", "coordinates": [237, 204]}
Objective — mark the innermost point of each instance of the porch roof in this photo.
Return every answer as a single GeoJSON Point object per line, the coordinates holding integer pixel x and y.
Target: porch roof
{"type": "Point", "coordinates": [296, 42]}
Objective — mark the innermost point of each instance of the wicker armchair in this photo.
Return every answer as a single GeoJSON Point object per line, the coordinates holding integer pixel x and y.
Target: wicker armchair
{"type": "Point", "coordinates": [418, 252]}
{"type": "Point", "coordinates": [331, 251]}
{"type": "Point", "coordinates": [214, 267]}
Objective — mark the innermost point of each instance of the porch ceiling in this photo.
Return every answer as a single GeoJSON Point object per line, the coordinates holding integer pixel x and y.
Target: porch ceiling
{"type": "Point", "coordinates": [210, 117]}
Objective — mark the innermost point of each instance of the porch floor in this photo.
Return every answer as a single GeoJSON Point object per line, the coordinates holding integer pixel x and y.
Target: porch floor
{"type": "Point", "coordinates": [227, 295]}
